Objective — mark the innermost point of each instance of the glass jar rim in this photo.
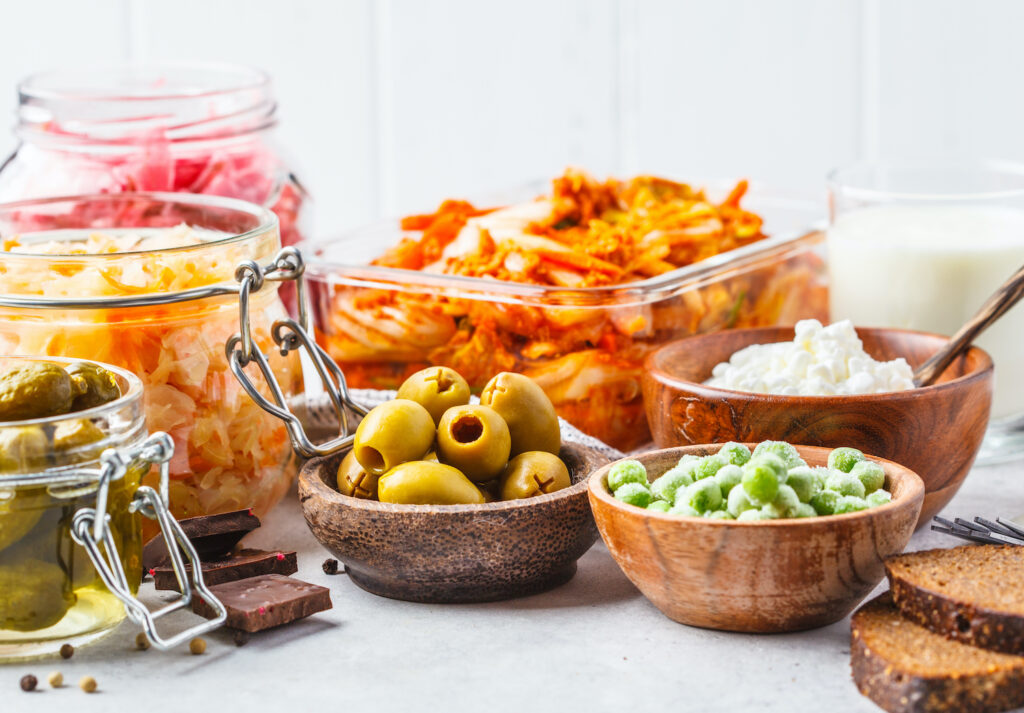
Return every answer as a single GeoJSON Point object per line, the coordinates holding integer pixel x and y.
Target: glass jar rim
{"type": "Point", "coordinates": [129, 397]}
{"type": "Point", "coordinates": [122, 104]}
{"type": "Point", "coordinates": [843, 181]}
{"type": "Point", "coordinates": [266, 220]}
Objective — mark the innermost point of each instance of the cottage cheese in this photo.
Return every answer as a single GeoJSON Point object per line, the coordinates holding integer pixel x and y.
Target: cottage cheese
{"type": "Point", "coordinates": [820, 361]}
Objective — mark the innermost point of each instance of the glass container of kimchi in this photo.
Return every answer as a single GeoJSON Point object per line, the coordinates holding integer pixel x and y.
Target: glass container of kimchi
{"type": "Point", "coordinates": [573, 288]}
{"type": "Point", "coordinates": [146, 281]}
{"type": "Point", "coordinates": [182, 127]}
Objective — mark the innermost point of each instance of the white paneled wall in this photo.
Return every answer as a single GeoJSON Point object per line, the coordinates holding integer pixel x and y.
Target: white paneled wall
{"type": "Point", "coordinates": [391, 105]}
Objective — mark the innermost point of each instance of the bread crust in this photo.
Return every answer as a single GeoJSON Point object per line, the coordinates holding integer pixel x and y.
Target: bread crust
{"type": "Point", "coordinates": [957, 619]}
{"type": "Point", "coordinates": [898, 690]}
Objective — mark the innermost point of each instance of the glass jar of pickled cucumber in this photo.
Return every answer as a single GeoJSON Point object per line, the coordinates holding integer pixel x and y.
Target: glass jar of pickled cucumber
{"type": "Point", "coordinates": [55, 478]}
{"type": "Point", "coordinates": [147, 281]}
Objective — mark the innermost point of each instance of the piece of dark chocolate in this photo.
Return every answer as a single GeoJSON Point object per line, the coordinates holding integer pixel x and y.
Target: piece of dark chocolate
{"type": "Point", "coordinates": [266, 601]}
{"type": "Point", "coordinates": [238, 565]}
{"type": "Point", "coordinates": [213, 536]}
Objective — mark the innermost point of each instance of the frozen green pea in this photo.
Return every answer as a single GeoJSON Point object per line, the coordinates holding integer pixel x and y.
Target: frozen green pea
{"type": "Point", "coordinates": [879, 497]}
{"type": "Point", "coordinates": [735, 453]}
{"type": "Point", "coordinates": [739, 502]}
{"type": "Point", "coordinates": [824, 502]}
{"type": "Point", "coordinates": [781, 450]}
{"type": "Point", "coordinates": [760, 481]}
{"type": "Point", "coordinates": [728, 477]}
{"type": "Point", "coordinates": [665, 487]}
{"type": "Point", "coordinates": [870, 474]}
{"type": "Point", "coordinates": [845, 484]}
{"type": "Point", "coordinates": [634, 494]}
{"type": "Point", "coordinates": [708, 466]}
{"type": "Point", "coordinates": [718, 515]}
{"type": "Point", "coordinates": [769, 513]}
{"type": "Point", "coordinates": [626, 471]}
{"type": "Point", "coordinates": [803, 480]}
{"type": "Point", "coordinates": [844, 459]}
{"type": "Point", "coordinates": [768, 460]}
{"type": "Point", "coordinates": [748, 515]}
{"type": "Point", "coordinates": [784, 504]}
{"type": "Point", "coordinates": [660, 506]}
{"type": "Point", "coordinates": [850, 503]}
{"type": "Point", "coordinates": [702, 496]}
{"type": "Point", "coordinates": [683, 509]}
{"type": "Point", "coordinates": [804, 510]}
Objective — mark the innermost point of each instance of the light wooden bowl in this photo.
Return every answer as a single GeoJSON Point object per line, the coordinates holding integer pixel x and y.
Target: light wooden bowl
{"type": "Point", "coordinates": [935, 431]}
{"type": "Point", "coordinates": [762, 576]}
{"type": "Point", "coordinates": [454, 553]}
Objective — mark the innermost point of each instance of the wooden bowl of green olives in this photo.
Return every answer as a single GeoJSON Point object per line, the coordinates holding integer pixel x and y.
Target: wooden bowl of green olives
{"type": "Point", "coordinates": [761, 575]}
{"type": "Point", "coordinates": [454, 553]}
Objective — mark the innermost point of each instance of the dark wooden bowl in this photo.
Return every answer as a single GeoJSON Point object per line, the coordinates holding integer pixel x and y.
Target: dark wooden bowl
{"type": "Point", "coordinates": [454, 553]}
{"type": "Point", "coordinates": [763, 576]}
{"type": "Point", "coordinates": [935, 431]}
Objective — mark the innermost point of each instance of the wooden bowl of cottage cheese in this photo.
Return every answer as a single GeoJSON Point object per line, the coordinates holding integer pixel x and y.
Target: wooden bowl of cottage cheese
{"type": "Point", "coordinates": [934, 430]}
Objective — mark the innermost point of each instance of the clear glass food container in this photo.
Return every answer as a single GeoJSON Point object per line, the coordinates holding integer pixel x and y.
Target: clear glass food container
{"type": "Point", "coordinates": [63, 478]}
{"type": "Point", "coordinates": [584, 346]}
{"type": "Point", "coordinates": [173, 126]}
{"type": "Point", "coordinates": [165, 313]}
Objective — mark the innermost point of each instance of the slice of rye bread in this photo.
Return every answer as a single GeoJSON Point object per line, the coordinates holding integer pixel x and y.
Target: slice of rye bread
{"type": "Point", "coordinates": [905, 668]}
{"type": "Point", "coordinates": [973, 593]}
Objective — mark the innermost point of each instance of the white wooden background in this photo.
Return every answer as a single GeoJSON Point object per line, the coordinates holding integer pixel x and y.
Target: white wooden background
{"type": "Point", "coordinates": [390, 105]}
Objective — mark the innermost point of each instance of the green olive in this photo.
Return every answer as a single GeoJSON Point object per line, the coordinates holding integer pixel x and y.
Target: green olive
{"type": "Point", "coordinates": [527, 410]}
{"type": "Point", "coordinates": [92, 385]}
{"type": "Point", "coordinates": [22, 448]}
{"type": "Point", "coordinates": [33, 595]}
{"type": "Point", "coordinates": [474, 439]}
{"type": "Point", "coordinates": [436, 389]}
{"type": "Point", "coordinates": [393, 433]}
{"type": "Point", "coordinates": [34, 390]}
{"type": "Point", "coordinates": [533, 473]}
{"type": "Point", "coordinates": [354, 481]}
{"type": "Point", "coordinates": [426, 483]}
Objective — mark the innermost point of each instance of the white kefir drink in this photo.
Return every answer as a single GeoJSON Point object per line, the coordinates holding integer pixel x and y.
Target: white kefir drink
{"type": "Point", "coordinates": [930, 267]}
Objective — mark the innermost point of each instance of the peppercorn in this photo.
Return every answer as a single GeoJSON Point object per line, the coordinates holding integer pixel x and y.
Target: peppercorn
{"type": "Point", "coordinates": [87, 684]}
{"type": "Point", "coordinates": [141, 641]}
{"type": "Point", "coordinates": [241, 637]}
{"type": "Point", "coordinates": [330, 566]}
{"type": "Point", "coordinates": [197, 646]}
{"type": "Point", "coordinates": [55, 679]}
{"type": "Point", "coordinates": [28, 683]}
{"type": "Point", "coordinates": [67, 651]}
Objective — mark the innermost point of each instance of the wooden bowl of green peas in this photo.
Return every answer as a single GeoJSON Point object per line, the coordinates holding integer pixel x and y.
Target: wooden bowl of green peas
{"type": "Point", "coordinates": [755, 575]}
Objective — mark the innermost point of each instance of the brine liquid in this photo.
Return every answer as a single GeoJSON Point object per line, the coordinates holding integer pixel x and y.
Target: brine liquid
{"type": "Point", "coordinates": [930, 268]}
{"type": "Point", "coordinates": [50, 593]}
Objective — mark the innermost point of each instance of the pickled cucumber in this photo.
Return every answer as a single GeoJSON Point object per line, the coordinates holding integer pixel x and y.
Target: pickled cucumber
{"type": "Point", "coordinates": [22, 448]}
{"type": "Point", "coordinates": [34, 390]}
{"type": "Point", "coordinates": [33, 595]}
{"type": "Point", "coordinates": [91, 385]}
{"type": "Point", "coordinates": [16, 520]}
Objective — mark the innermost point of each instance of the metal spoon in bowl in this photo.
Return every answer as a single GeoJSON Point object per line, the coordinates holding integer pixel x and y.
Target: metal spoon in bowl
{"type": "Point", "coordinates": [1008, 294]}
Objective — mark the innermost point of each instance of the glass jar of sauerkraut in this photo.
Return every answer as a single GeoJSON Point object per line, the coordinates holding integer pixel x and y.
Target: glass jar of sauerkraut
{"type": "Point", "coordinates": [146, 282]}
{"type": "Point", "coordinates": [181, 127]}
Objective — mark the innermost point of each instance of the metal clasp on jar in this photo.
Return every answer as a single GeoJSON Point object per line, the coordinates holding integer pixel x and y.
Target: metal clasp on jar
{"type": "Point", "coordinates": [289, 335]}
{"type": "Point", "coordinates": [90, 528]}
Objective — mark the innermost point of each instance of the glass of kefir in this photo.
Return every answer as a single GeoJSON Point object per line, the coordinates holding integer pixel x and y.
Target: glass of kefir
{"type": "Point", "coordinates": [921, 244]}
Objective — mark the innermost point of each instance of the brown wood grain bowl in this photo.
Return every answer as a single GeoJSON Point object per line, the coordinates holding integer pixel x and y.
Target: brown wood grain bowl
{"type": "Point", "coordinates": [764, 576]}
{"type": "Point", "coordinates": [935, 430]}
{"type": "Point", "coordinates": [454, 553]}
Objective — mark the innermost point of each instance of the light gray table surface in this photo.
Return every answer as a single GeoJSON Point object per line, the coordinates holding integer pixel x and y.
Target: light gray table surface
{"type": "Point", "coordinates": [594, 644]}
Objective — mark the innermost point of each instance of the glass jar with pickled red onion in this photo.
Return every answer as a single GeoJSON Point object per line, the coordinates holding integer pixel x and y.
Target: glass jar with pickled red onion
{"type": "Point", "coordinates": [181, 127]}
{"type": "Point", "coordinates": [146, 281]}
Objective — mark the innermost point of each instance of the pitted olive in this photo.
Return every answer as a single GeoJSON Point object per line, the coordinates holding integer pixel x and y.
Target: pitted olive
{"type": "Point", "coordinates": [34, 390]}
{"type": "Point", "coordinates": [91, 385]}
{"type": "Point", "coordinates": [436, 389]}
{"type": "Point", "coordinates": [531, 418]}
{"type": "Point", "coordinates": [533, 473]}
{"type": "Point", "coordinates": [426, 483]}
{"type": "Point", "coordinates": [393, 433]}
{"type": "Point", "coordinates": [474, 439]}
{"type": "Point", "coordinates": [354, 481]}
